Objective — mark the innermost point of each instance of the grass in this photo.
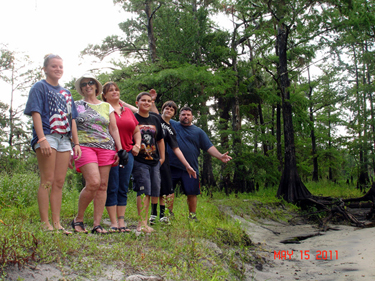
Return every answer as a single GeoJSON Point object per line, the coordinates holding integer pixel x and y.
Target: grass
{"type": "Point", "coordinates": [331, 189]}
{"type": "Point", "coordinates": [177, 252]}
{"type": "Point", "coordinates": [216, 248]}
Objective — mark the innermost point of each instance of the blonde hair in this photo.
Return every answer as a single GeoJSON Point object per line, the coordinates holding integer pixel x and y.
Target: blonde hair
{"type": "Point", "coordinates": [48, 57]}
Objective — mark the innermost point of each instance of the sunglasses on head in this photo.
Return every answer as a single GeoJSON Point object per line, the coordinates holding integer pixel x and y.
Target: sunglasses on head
{"type": "Point", "coordinates": [90, 83]}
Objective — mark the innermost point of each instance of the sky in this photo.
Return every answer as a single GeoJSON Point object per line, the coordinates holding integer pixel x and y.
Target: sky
{"type": "Point", "coordinates": [63, 27]}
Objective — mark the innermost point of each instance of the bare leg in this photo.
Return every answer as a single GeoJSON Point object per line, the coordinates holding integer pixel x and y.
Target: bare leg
{"type": "Point", "coordinates": [143, 207]}
{"type": "Point", "coordinates": [62, 162]}
{"type": "Point", "coordinates": [192, 203]}
{"type": "Point", "coordinates": [121, 214]}
{"type": "Point", "coordinates": [47, 168]}
{"type": "Point", "coordinates": [101, 194]}
{"type": "Point", "coordinates": [112, 215]}
{"type": "Point", "coordinates": [91, 174]}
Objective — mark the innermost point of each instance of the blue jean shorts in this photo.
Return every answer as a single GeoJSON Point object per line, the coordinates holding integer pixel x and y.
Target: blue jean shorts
{"type": "Point", "coordinates": [189, 185]}
{"type": "Point", "coordinates": [146, 179]}
{"type": "Point", "coordinates": [118, 184]}
{"type": "Point", "coordinates": [59, 142]}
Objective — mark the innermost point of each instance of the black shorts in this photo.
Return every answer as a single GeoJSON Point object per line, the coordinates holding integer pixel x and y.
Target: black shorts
{"type": "Point", "coordinates": [166, 180]}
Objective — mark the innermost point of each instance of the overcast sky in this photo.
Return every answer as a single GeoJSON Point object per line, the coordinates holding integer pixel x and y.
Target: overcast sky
{"type": "Point", "coordinates": [63, 27]}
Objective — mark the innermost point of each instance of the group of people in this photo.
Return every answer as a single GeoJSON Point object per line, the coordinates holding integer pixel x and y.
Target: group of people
{"type": "Point", "coordinates": [109, 141]}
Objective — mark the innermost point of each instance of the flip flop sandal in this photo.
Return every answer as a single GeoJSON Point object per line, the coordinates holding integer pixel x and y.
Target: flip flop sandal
{"type": "Point", "coordinates": [80, 224]}
{"type": "Point", "coordinates": [95, 230]}
{"type": "Point", "coordinates": [113, 229]}
{"type": "Point", "coordinates": [124, 229]}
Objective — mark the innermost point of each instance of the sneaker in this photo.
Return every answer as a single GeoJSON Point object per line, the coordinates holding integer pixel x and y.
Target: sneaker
{"type": "Point", "coordinates": [165, 220]}
{"type": "Point", "coordinates": [152, 219]}
{"type": "Point", "coordinates": [193, 217]}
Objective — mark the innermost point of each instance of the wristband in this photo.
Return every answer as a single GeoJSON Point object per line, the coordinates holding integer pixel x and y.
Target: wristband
{"type": "Point", "coordinates": [76, 144]}
{"type": "Point", "coordinates": [41, 139]}
{"type": "Point", "coordinates": [137, 145]}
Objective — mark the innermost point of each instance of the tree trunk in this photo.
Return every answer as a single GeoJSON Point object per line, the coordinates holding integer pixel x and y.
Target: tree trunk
{"type": "Point", "coordinates": [150, 32]}
{"type": "Point", "coordinates": [363, 177]}
{"type": "Point", "coordinates": [368, 75]}
{"type": "Point", "coordinates": [239, 178]}
{"type": "Point", "coordinates": [291, 187]}
{"type": "Point", "coordinates": [278, 136]}
{"type": "Point", "coordinates": [207, 175]}
{"type": "Point", "coordinates": [330, 175]}
{"type": "Point", "coordinates": [224, 107]}
{"type": "Point", "coordinates": [315, 176]}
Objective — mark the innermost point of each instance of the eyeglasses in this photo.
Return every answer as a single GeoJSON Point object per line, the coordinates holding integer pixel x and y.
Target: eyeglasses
{"type": "Point", "coordinates": [90, 83]}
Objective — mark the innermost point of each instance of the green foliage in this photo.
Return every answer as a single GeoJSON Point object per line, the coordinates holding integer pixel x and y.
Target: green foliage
{"type": "Point", "coordinates": [18, 190]}
{"type": "Point", "coordinates": [229, 76]}
{"type": "Point", "coordinates": [336, 190]}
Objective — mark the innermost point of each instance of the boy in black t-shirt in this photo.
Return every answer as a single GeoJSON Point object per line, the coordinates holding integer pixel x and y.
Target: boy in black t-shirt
{"type": "Point", "coordinates": [146, 170]}
{"type": "Point", "coordinates": [169, 110]}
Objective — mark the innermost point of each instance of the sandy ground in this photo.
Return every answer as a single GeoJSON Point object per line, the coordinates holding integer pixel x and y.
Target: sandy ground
{"type": "Point", "coordinates": [347, 253]}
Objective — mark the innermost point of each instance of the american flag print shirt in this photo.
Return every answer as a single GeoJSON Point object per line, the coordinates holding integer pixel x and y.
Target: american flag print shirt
{"type": "Point", "coordinates": [60, 109]}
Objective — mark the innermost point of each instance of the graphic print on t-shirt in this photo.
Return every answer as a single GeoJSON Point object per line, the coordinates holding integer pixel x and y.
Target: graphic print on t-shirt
{"type": "Point", "coordinates": [167, 129]}
{"type": "Point", "coordinates": [59, 104]}
{"type": "Point", "coordinates": [148, 147]}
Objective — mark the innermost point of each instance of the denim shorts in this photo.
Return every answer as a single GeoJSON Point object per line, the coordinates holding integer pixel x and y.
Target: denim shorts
{"type": "Point", "coordinates": [59, 142]}
{"type": "Point", "coordinates": [146, 179]}
{"type": "Point", "coordinates": [118, 184]}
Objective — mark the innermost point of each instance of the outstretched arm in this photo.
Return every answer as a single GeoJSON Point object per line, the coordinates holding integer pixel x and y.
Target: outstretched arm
{"type": "Point", "coordinates": [131, 107]}
{"type": "Point", "coordinates": [215, 153]}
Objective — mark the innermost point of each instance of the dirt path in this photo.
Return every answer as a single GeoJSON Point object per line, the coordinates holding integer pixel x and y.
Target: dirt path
{"type": "Point", "coordinates": [347, 253]}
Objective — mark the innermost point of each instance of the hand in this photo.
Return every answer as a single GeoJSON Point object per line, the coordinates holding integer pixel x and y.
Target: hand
{"type": "Point", "coordinates": [45, 148]}
{"type": "Point", "coordinates": [135, 150]}
{"type": "Point", "coordinates": [123, 157]}
{"type": "Point", "coordinates": [77, 152]}
{"type": "Point", "coordinates": [225, 157]}
{"type": "Point", "coordinates": [191, 172]}
{"type": "Point", "coordinates": [153, 94]}
{"type": "Point", "coordinates": [117, 160]}
{"type": "Point", "coordinates": [71, 161]}
{"type": "Point", "coordinates": [161, 161]}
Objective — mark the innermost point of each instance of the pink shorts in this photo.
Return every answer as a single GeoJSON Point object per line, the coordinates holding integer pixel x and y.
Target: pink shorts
{"type": "Point", "coordinates": [103, 157]}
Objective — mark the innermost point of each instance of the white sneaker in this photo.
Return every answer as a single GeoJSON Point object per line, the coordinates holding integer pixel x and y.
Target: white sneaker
{"type": "Point", "coordinates": [165, 220]}
{"type": "Point", "coordinates": [152, 219]}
